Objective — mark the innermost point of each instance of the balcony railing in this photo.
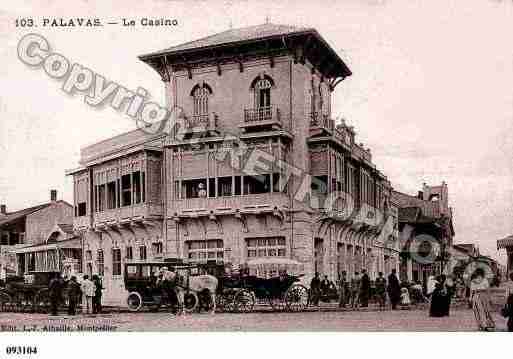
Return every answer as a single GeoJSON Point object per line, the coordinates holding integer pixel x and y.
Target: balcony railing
{"type": "Point", "coordinates": [128, 212]}
{"type": "Point", "coordinates": [262, 115]}
{"type": "Point", "coordinates": [201, 122]}
{"type": "Point", "coordinates": [229, 203]}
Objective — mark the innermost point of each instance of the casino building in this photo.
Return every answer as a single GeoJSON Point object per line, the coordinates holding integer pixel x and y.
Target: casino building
{"type": "Point", "coordinates": [248, 171]}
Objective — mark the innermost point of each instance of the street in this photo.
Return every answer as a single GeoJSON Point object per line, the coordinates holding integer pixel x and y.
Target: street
{"type": "Point", "coordinates": [461, 319]}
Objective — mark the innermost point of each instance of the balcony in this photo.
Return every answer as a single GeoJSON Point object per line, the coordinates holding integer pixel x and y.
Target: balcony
{"type": "Point", "coordinates": [135, 212]}
{"type": "Point", "coordinates": [252, 203]}
{"type": "Point", "coordinates": [323, 126]}
{"type": "Point", "coordinates": [361, 153]}
{"type": "Point", "coordinates": [262, 117]}
{"type": "Point", "coordinates": [82, 222]}
{"type": "Point", "coordinates": [201, 123]}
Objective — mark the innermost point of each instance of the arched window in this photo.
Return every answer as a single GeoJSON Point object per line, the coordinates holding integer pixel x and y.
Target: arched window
{"type": "Point", "coordinates": [261, 87]}
{"type": "Point", "coordinates": [200, 94]}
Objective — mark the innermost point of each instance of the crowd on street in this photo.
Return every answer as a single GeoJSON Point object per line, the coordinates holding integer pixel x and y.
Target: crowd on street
{"type": "Point", "coordinates": [88, 292]}
{"type": "Point", "coordinates": [355, 293]}
{"type": "Point", "coordinates": [441, 290]}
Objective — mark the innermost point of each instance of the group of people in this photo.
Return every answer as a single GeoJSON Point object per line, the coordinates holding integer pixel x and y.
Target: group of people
{"type": "Point", "coordinates": [88, 292]}
{"type": "Point", "coordinates": [356, 292]}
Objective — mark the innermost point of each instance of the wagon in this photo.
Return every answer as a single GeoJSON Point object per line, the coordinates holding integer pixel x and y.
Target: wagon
{"type": "Point", "coordinates": [143, 291]}
{"type": "Point", "coordinates": [241, 292]}
{"type": "Point", "coordinates": [19, 295]}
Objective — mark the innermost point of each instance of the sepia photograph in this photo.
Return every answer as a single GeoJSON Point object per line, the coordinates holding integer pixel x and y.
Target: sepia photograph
{"type": "Point", "coordinates": [255, 166]}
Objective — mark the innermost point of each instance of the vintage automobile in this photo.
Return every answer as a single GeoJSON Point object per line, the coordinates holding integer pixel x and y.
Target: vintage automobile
{"type": "Point", "coordinates": [141, 283]}
{"type": "Point", "coordinates": [29, 293]}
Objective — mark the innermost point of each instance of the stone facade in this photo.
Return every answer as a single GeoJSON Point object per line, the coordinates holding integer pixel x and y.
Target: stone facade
{"type": "Point", "coordinates": [256, 168]}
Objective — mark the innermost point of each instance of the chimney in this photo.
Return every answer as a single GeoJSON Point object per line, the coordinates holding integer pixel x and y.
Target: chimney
{"type": "Point", "coordinates": [3, 209]}
{"type": "Point", "coordinates": [53, 195]}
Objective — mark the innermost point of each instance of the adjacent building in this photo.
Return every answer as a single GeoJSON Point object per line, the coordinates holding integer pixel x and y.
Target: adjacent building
{"type": "Point", "coordinates": [507, 244]}
{"type": "Point", "coordinates": [26, 235]}
{"type": "Point", "coordinates": [255, 168]}
{"type": "Point", "coordinates": [426, 231]}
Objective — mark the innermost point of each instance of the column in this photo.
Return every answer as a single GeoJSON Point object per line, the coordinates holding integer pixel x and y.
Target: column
{"type": "Point", "coordinates": [409, 269]}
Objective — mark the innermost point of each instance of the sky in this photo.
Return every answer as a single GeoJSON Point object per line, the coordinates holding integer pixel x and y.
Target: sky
{"type": "Point", "coordinates": [431, 92]}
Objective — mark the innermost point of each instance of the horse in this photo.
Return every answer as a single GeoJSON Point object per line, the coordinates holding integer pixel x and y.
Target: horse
{"type": "Point", "coordinates": [197, 284]}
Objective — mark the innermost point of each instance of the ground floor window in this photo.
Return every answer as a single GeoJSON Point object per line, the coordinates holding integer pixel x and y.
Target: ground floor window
{"type": "Point", "coordinates": [116, 261]}
{"type": "Point", "coordinates": [211, 249]}
{"type": "Point", "coordinates": [266, 247]}
{"type": "Point", "coordinates": [101, 263]}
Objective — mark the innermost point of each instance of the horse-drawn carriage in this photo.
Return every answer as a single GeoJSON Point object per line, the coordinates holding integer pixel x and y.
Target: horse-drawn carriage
{"type": "Point", "coordinates": [145, 289]}
{"type": "Point", "coordinates": [277, 288]}
{"type": "Point", "coordinates": [28, 294]}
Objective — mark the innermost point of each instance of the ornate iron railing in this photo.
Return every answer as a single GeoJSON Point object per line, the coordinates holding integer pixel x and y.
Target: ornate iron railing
{"type": "Point", "coordinates": [268, 113]}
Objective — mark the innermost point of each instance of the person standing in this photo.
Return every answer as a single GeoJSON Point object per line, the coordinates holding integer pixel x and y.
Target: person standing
{"type": "Point", "coordinates": [355, 290]}
{"type": "Point", "coordinates": [74, 294]}
{"type": "Point", "coordinates": [343, 289]}
{"type": "Point", "coordinates": [325, 287]}
{"type": "Point", "coordinates": [394, 289]}
{"type": "Point", "coordinates": [381, 285]}
{"type": "Point", "coordinates": [315, 287]}
{"type": "Point", "coordinates": [97, 299]}
{"type": "Point", "coordinates": [479, 287]}
{"type": "Point", "coordinates": [449, 292]}
{"type": "Point", "coordinates": [55, 293]}
{"type": "Point", "coordinates": [365, 287]}
{"type": "Point", "coordinates": [88, 290]}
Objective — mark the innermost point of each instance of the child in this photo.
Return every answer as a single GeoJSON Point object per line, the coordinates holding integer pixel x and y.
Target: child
{"type": "Point", "coordinates": [405, 298]}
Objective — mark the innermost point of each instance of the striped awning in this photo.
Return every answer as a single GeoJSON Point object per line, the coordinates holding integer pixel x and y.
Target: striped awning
{"type": "Point", "coordinates": [73, 243]}
{"type": "Point", "coordinates": [505, 242]}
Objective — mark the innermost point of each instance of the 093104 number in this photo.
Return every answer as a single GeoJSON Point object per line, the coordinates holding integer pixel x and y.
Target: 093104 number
{"type": "Point", "coordinates": [20, 350]}
{"type": "Point", "coordinates": [24, 22]}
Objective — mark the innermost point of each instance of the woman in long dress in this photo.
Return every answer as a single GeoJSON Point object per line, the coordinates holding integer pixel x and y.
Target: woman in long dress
{"type": "Point", "coordinates": [481, 302]}
{"type": "Point", "coordinates": [438, 299]}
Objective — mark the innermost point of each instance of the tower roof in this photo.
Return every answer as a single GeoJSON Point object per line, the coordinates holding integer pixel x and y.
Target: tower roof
{"type": "Point", "coordinates": [233, 36]}
{"type": "Point", "coordinates": [273, 36]}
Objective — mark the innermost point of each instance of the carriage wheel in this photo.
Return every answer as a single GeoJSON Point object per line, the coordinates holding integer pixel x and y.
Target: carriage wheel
{"type": "Point", "coordinates": [134, 301]}
{"type": "Point", "coordinates": [277, 303]}
{"type": "Point", "coordinates": [226, 301]}
{"type": "Point", "coordinates": [190, 302]}
{"type": "Point", "coordinates": [5, 301]}
{"type": "Point", "coordinates": [41, 302]}
{"type": "Point", "coordinates": [22, 303]}
{"type": "Point", "coordinates": [297, 298]}
{"type": "Point", "coordinates": [244, 301]}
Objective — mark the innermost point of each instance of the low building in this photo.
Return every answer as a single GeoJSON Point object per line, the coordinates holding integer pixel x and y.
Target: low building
{"type": "Point", "coordinates": [30, 228]}
{"type": "Point", "coordinates": [507, 244]}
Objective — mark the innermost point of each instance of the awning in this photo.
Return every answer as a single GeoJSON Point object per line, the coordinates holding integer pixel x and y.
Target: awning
{"type": "Point", "coordinates": [70, 243]}
{"type": "Point", "coordinates": [267, 266]}
{"type": "Point", "coordinates": [505, 242]}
